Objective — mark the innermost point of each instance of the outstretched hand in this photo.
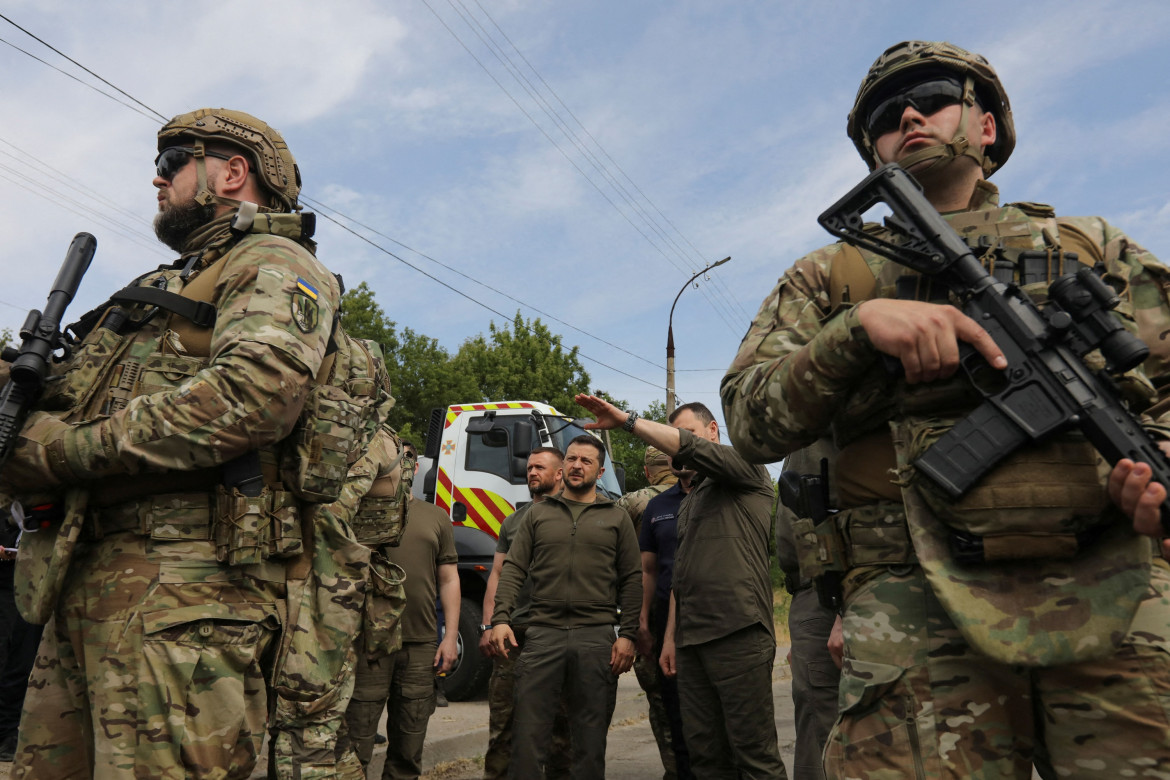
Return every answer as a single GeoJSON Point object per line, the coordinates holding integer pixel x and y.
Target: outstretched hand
{"type": "Point", "coordinates": [608, 416]}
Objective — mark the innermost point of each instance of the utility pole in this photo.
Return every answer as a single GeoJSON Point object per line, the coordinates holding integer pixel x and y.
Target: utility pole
{"type": "Point", "coordinates": [670, 336]}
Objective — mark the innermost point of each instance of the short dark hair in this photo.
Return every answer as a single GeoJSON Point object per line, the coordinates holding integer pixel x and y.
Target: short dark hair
{"type": "Point", "coordinates": [696, 408]}
{"type": "Point", "coordinates": [408, 446]}
{"type": "Point", "coordinates": [550, 450]}
{"type": "Point", "coordinates": [592, 442]}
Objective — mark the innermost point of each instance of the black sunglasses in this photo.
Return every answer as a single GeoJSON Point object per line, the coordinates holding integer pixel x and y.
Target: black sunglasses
{"type": "Point", "coordinates": [172, 159]}
{"type": "Point", "coordinates": [926, 97]}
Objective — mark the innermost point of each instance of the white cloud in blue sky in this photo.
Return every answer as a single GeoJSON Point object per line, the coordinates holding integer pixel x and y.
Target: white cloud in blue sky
{"type": "Point", "coordinates": [729, 117]}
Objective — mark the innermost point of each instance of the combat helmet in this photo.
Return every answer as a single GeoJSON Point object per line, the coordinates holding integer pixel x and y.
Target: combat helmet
{"type": "Point", "coordinates": [272, 162]}
{"type": "Point", "coordinates": [910, 61]}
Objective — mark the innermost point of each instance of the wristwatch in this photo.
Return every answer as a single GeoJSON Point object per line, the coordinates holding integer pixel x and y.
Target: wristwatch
{"type": "Point", "coordinates": [484, 629]}
{"type": "Point", "coordinates": [628, 425]}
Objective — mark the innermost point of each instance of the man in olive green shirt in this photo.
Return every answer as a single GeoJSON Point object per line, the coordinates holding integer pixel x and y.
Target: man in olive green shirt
{"type": "Point", "coordinates": [580, 553]}
{"type": "Point", "coordinates": [545, 474]}
{"type": "Point", "coordinates": [719, 636]}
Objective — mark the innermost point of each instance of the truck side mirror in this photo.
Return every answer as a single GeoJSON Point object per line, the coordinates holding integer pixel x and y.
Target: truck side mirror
{"type": "Point", "coordinates": [523, 433]}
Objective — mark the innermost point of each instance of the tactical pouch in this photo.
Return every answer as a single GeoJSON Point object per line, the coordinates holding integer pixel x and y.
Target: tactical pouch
{"type": "Point", "coordinates": [385, 603]}
{"type": "Point", "coordinates": [93, 360]}
{"type": "Point", "coordinates": [819, 548]}
{"type": "Point", "coordinates": [242, 528]}
{"type": "Point", "coordinates": [319, 451]}
{"type": "Point", "coordinates": [380, 520]}
{"type": "Point", "coordinates": [44, 557]}
{"type": "Point", "coordinates": [1044, 501]}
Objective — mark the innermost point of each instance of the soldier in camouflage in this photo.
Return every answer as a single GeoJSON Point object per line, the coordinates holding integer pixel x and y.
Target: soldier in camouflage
{"type": "Point", "coordinates": [1052, 653]}
{"type": "Point", "coordinates": [196, 444]}
{"type": "Point", "coordinates": [649, 674]}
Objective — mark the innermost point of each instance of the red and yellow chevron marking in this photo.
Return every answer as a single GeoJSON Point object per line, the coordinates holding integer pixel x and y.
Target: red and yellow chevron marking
{"type": "Point", "coordinates": [443, 491]}
{"type": "Point", "coordinates": [485, 509]}
{"type": "Point", "coordinates": [455, 411]}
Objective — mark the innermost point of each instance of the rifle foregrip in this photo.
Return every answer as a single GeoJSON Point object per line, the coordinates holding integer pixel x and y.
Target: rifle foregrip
{"type": "Point", "coordinates": [970, 449]}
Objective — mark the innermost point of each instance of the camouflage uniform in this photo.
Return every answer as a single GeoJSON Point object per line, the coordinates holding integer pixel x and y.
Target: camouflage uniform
{"type": "Point", "coordinates": [646, 668]}
{"type": "Point", "coordinates": [966, 671]}
{"type": "Point", "coordinates": [403, 682]}
{"type": "Point", "coordinates": [165, 648]}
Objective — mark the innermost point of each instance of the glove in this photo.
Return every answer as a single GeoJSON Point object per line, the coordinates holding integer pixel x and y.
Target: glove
{"type": "Point", "coordinates": [38, 460]}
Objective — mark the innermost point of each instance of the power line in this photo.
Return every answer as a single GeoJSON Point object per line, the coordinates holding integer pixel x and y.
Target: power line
{"type": "Point", "coordinates": [335, 221]}
{"type": "Point", "coordinates": [583, 147]}
{"type": "Point", "coordinates": [320, 206]}
{"type": "Point", "coordinates": [472, 299]}
{"type": "Point", "coordinates": [52, 48]}
{"type": "Point", "coordinates": [552, 141]}
{"type": "Point", "coordinates": [70, 75]}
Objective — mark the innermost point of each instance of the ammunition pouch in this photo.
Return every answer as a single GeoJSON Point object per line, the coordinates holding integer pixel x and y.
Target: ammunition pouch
{"type": "Point", "coordinates": [1045, 501]}
{"type": "Point", "coordinates": [385, 603]}
{"type": "Point", "coordinates": [318, 454]}
{"type": "Point", "coordinates": [251, 529]}
{"type": "Point", "coordinates": [872, 535]}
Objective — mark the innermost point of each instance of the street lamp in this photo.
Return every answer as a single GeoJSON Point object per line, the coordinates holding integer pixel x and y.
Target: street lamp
{"type": "Point", "coordinates": [670, 337]}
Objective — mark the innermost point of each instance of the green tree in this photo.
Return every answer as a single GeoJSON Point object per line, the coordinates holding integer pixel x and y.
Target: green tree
{"type": "Point", "coordinates": [524, 361]}
{"type": "Point", "coordinates": [5, 337]}
{"type": "Point", "coordinates": [628, 449]}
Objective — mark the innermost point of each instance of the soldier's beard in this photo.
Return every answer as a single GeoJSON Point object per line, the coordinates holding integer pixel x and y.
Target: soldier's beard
{"type": "Point", "coordinates": [173, 224]}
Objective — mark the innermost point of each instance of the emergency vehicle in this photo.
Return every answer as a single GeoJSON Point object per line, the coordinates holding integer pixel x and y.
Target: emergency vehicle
{"type": "Point", "coordinates": [475, 469]}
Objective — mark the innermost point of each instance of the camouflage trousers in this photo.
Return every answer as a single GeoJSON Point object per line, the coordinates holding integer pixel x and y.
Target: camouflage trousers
{"type": "Point", "coordinates": [662, 699]}
{"type": "Point", "coordinates": [403, 684]}
{"type": "Point", "coordinates": [917, 702]}
{"type": "Point", "coordinates": [501, 708]}
{"type": "Point", "coordinates": [152, 666]}
{"type": "Point", "coordinates": [814, 682]}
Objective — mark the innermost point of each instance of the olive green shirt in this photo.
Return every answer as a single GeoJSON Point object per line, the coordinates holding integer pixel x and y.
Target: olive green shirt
{"type": "Point", "coordinates": [427, 542]}
{"type": "Point", "coordinates": [581, 570]}
{"type": "Point", "coordinates": [503, 545]}
{"type": "Point", "coordinates": [722, 581]}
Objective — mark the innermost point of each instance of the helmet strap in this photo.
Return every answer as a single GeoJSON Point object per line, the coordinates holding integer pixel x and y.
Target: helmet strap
{"type": "Point", "coordinates": [959, 146]}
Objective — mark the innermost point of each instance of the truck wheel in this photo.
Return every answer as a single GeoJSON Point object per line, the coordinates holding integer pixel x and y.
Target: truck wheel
{"type": "Point", "coordinates": [470, 676]}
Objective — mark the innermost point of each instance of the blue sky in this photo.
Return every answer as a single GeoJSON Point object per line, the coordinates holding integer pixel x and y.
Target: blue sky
{"type": "Point", "coordinates": [722, 121]}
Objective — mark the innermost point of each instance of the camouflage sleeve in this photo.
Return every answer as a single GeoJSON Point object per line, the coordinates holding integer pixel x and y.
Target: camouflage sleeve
{"type": "Point", "coordinates": [1146, 292]}
{"type": "Point", "coordinates": [275, 306]}
{"type": "Point", "coordinates": [796, 365]}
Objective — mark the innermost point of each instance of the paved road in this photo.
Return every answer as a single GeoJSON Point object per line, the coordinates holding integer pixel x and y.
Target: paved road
{"type": "Point", "coordinates": [457, 736]}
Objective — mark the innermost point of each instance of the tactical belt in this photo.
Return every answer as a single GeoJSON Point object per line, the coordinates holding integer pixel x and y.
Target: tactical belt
{"type": "Point", "coordinates": [175, 516]}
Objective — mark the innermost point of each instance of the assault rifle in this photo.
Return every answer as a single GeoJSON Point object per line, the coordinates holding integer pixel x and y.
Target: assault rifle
{"type": "Point", "coordinates": [40, 338]}
{"type": "Point", "coordinates": [1046, 387]}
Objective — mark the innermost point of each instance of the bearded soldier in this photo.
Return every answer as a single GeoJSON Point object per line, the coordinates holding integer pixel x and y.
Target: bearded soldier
{"type": "Point", "coordinates": [193, 444]}
{"type": "Point", "coordinates": [1050, 647]}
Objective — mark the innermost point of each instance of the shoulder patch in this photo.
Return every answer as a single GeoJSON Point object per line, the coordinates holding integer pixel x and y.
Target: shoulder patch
{"type": "Point", "coordinates": [305, 311]}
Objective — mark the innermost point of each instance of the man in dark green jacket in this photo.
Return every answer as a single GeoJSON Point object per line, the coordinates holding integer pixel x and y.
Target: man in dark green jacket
{"type": "Point", "coordinates": [719, 639]}
{"type": "Point", "coordinates": [581, 555]}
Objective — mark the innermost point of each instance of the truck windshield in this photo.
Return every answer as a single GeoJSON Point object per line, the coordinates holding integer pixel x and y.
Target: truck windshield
{"type": "Point", "coordinates": [564, 431]}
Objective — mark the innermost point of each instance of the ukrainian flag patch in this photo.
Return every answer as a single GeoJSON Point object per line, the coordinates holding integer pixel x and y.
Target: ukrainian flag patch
{"type": "Point", "coordinates": [305, 311]}
{"type": "Point", "coordinates": [306, 288]}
